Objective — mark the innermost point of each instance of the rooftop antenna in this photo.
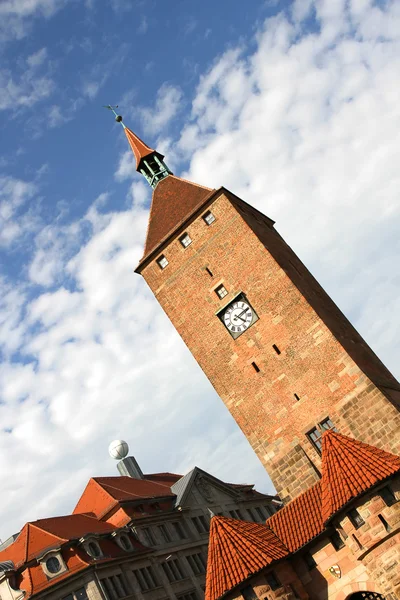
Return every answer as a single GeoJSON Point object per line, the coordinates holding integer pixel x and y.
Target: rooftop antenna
{"type": "Point", "coordinates": [118, 118]}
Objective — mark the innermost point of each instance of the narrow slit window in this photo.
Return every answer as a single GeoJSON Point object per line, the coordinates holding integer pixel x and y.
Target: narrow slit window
{"type": "Point", "coordinates": [384, 523]}
{"type": "Point", "coordinates": [209, 272]}
{"type": "Point", "coordinates": [275, 347]}
{"type": "Point", "coordinates": [208, 217]}
{"type": "Point", "coordinates": [221, 291]}
{"type": "Point", "coordinates": [162, 261]}
{"type": "Point", "coordinates": [255, 367]}
{"type": "Point", "coordinates": [297, 397]}
{"type": "Point", "coordinates": [185, 240]}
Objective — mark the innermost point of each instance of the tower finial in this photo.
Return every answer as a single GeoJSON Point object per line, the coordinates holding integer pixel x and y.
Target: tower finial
{"type": "Point", "coordinates": [118, 118]}
{"type": "Point", "coordinates": [149, 162]}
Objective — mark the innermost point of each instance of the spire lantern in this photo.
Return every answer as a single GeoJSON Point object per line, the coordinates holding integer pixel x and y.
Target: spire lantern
{"type": "Point", "coordinates": [149, 162]}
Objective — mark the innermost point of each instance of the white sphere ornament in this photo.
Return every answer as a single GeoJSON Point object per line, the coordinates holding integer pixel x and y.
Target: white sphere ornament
{"type": "Point", "coordinates": [118, 449]}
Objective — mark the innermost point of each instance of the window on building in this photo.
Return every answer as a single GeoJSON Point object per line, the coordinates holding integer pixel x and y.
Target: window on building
{"type": "Point", "coordinates": [221, 291]}
{"type": "Point", "coordinates": [164, 533]}
{"type": "Point", "coordinates": [197, 563]}
{"type": "Point", "coordinates": [94, 549]}
{"type": "Point", "coordinates": [248, 593]}
{"type": "Point", "coordinates": [355, 518]}
{"type": "Point", "coordinates": [309, 560]}
{"type": "Point", "coordinates": [114, 587]}
{"type": "Point", "coordinates": [146, 578]}
{"type": "Point", "coordinates": [233, 514]}
{"type": "Point", "coordinates": [336, 540]}
{"type": "Point", "coordinates": [208, 217]}
{"type": "Point", "coordinates": [162, 261]}
{"type": "Point", "coordinates": [273, 580]}
{"type": "Point", "coordinates": [173, 570]}
{"type": "Point", "coordinates": [125, 542]}
{"type": "Point", "coordinates": [315, 435]}
{"type": "Point", "coordinates": [260, 513]}
{"type": "Point", "coordinates": [201, 524]}
{"type": "Point", "coordinates": [185, 240]}
{"type": "Point", "coordinates": [269, 510]}
{"type": "Point", "coordinates": [148, 536]}
{"type": "Point", "coordinates": [387, 496]}
{"type": "Point", "coordinates": [179, 530]}
{"type": "Point", "coordinates": [53, 565]}
{"type": "Point", "coordinates": [188, 596]}
{"type": "Point", "coordinates": [80, 594]}
{"type": "Point", "coordinates": [252, 515]}
{"type": "Point", "coordinates": [385, 523]}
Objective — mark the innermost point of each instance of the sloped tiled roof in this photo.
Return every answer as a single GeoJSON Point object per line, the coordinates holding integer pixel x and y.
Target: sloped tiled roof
{"type": "Point", "coordinates": [103, 493]}
{"type": "Point", "coordinates": [349, 468]}
{"type": "Point", "coordinates": [174, 199]}
{"type": "Point", "coordinates": [300, 520]}
{"type": "Point", "coordinates": [139, 148]}
{"type": "Point", "coordinates": [237, 549]}
{"type": "Point", "coordinates": [39, 535]}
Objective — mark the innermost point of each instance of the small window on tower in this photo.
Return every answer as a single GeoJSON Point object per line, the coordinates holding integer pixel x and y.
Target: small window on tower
{"type": "Point", "coordinates": [387, 496]}
{"type": "Point", "coordinates": [162, 261]}
{"type": "Point", "coordinates": [208, 217]}
{"type": "Point", "coordinates": [221, 291]}
{"type": "Point", "coordinates": [185, 240]}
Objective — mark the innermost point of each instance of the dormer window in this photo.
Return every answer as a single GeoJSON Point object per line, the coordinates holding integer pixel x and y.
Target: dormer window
{"type": "Point", "coordinates": [93, 549]}
{"type": "Point", "coordinates": [124, 542]}
{"type": "Point", "coordinates": [208, 217]}
{"type": "Point", "coordinates": [53, 565]}
{"type": "Point", "coordinates": [162, 261]}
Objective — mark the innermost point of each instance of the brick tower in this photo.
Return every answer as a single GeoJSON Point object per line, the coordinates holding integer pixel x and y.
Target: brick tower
{"type": "Point", "coordinates": [283, 358]}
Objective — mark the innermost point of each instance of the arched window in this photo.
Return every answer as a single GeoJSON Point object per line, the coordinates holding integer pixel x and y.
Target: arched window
{"type": "Point", "coordinates": [125, 542]}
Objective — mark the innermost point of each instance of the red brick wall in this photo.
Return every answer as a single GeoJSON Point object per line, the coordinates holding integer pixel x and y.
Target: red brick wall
{"type": "Point", "coordinates": [247, 255]}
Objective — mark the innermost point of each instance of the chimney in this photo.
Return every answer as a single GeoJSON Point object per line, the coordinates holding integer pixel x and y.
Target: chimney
{"type": "Point", "coordinates": [129, 467]}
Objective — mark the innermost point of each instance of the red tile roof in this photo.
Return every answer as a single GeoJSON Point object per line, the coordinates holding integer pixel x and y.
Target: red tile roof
{"type": "Point", "coordinates": [45, 534]}
{"type": "Point", "coordinates": [104, 493]}
{"type": "Point", "coordinates": [349, 468]}
{"type": "Point", "coordinates": [139, 148]}
{"type": "Point", "coordinates": [237, 549]}
{"type": "Point", "coordinates": [300, 520]}
{"type": "Point", "coordinates": [174, 199]}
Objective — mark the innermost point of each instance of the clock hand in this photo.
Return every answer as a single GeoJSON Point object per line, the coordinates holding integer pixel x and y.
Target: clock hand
{"type": "Point", "coordinates": [241, 318]}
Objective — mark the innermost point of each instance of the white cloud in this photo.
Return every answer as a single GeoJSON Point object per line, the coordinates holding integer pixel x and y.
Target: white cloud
{"type": "Point", "coordinates": [14, 193]}
{"type": "Point", "coordinates": [167, 105]}
{"type": "Point", "coordinates": [38, 58]}
{"type": "Point", "coordinates": [303, 128]}
{"type": "Point", "coordinates": [16, 15]}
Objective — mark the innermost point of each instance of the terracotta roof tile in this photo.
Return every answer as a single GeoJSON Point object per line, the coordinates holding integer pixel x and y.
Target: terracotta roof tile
{"type": "Point", "coordinates": [237, 549]}
{"type": "Point", "coordinates": [349, 468]}
{"type": "Point", "coordinates": [300, 520]}
{"type": "Point", "coordinates": [173, 200]}
{"type": "Point", "coordinates": [139, 148]}
{"type": "Point", "coordinates": [102, 494]}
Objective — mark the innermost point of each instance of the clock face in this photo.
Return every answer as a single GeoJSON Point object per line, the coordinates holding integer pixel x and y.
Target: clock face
{"type": "Point", "coordinates": [238, 317]}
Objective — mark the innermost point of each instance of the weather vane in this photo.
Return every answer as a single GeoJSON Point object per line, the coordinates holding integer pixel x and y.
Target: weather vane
{"type": "Point", "coordinates": [118, 118]}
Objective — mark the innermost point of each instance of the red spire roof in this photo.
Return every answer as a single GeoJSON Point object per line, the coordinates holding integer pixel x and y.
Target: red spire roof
{"type": "Point", "coordinates": [236, 550]}
{"type": "Point", "coordinates": [174, 200]}
{"type": "Point", "coordinates": [139, 148]}
{"type": "Point", "coordinates": [350, 467]}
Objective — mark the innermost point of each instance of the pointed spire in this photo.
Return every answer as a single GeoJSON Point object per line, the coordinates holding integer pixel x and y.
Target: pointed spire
{"type": "Point", "coordinates": [237, 549]}
{"type": "Point", "coordinates": [149, 162]}
{"type": "Point", "coordinates": [349, 468]}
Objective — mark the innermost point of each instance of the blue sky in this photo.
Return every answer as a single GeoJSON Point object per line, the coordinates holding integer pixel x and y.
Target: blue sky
{"type": "Point", "coordinates": [294, 107]}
